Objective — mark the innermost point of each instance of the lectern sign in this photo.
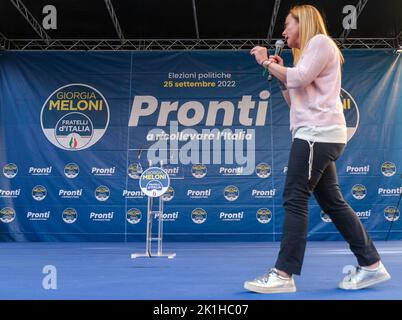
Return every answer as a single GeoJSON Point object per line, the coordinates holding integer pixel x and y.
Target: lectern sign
{"type": "Point", "coordinates": [154, 182]}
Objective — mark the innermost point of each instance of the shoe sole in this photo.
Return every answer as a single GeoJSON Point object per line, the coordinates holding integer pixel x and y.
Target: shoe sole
{"type": "Point", "coordinates": [368, 283]}
{"type": "Point", "coordinates": [258, 289]}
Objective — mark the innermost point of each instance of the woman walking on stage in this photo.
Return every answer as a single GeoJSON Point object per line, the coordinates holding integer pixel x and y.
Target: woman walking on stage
{"type": "Point", "coordinates": [312, 90]}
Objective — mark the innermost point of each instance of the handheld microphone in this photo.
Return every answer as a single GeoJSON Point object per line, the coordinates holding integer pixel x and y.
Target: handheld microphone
{"type": "Point", "coordinates": [279, 44]}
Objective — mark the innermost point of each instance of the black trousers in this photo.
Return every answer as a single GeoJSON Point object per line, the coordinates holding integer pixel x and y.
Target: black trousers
{"type": "Point", "coordinates": [324, 184]}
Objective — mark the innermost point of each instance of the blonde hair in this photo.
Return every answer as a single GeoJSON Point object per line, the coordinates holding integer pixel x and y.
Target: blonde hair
{"type": "Point", "coordinates": [311, 23]}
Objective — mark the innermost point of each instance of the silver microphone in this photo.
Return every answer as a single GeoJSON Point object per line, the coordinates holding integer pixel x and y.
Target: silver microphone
{"type": "Point", "coordinates": [279, 44]}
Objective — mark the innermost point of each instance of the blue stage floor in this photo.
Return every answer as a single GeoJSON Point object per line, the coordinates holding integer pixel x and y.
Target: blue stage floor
{"type": "Point", "coordinates": [200, 271]}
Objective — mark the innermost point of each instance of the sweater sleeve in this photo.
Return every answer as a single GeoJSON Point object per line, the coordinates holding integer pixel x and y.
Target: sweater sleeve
{"type": "Point", "coordinates": [315, 57]}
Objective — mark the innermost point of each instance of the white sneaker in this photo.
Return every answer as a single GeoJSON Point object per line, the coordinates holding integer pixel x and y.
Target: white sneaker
{"type": "Point", "coordinates": [363, 277]}
{"type": "Point", "coordinates": [271, 282]}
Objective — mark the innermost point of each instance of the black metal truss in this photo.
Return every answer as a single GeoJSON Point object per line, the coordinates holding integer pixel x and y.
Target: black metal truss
{"type": "Point", "coordinates": [177, 44]}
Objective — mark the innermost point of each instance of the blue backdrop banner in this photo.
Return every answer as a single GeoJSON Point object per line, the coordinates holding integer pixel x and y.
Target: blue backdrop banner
{"type": "Point", "coordinates": [77, 129]}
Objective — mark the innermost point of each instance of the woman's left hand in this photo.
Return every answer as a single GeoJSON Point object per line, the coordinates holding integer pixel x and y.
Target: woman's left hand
{"type": "Point", "coordinates": [260, 54]}
{"type": "Point", "coordinates": [276, 59]}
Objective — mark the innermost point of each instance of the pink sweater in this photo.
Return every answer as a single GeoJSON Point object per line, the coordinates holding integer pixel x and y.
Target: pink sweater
{"type": "Point", "coordinates": [314, 86]}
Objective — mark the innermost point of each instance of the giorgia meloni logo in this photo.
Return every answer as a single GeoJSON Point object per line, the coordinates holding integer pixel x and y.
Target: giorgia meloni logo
{"type": "Point", "coordinates": [75, 117]}
{"type": "Point", "coordinates": [154, 182]}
